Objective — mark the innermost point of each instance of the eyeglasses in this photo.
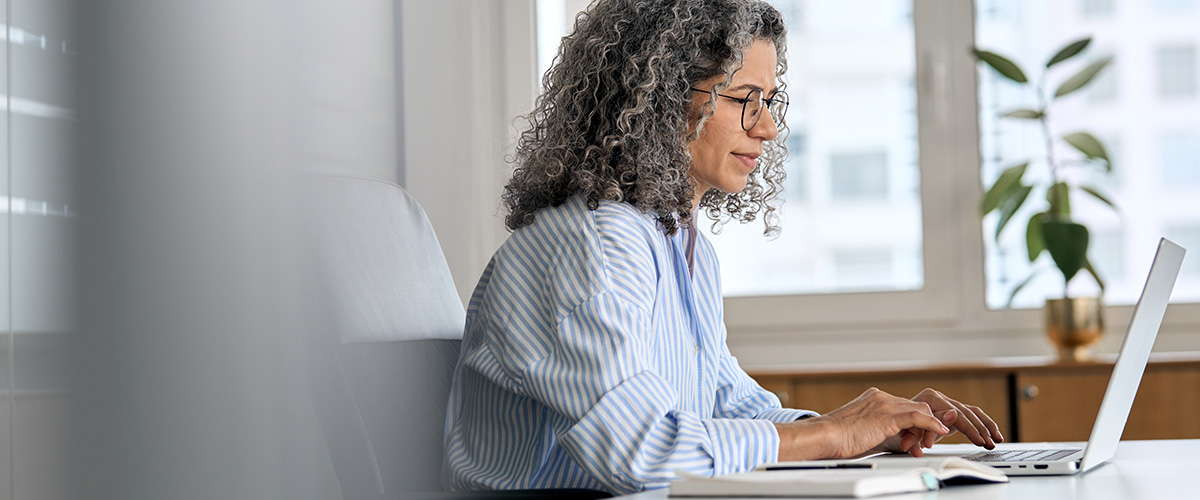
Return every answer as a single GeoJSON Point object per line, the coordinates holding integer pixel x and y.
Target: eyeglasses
{"type": "Point", "coordinates": [753, 103]}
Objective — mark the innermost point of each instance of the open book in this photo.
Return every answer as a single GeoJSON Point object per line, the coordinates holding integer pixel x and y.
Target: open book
{"type": "Point", "coordinates": [839, 478]}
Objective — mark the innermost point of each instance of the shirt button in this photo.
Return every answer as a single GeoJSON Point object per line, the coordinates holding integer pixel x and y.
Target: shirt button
{"type": "Point", "coordinates": [696, 348]}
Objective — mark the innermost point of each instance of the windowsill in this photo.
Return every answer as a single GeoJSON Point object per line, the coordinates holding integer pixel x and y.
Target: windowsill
{"type": "Point", "coordinates": [1000, 364]}
{"type": "Point", "coordinates": [772, 351]}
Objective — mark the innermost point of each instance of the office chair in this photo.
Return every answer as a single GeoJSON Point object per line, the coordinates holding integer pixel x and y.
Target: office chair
{"type": "Point", "coordinates": [382, 369]}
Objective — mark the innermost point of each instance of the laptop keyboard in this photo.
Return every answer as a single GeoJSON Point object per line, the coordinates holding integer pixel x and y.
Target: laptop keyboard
{"type": "Point", "coordinates": [1019, 455]}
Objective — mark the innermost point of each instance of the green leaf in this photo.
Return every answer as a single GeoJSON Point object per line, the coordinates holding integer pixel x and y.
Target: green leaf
{"type": "Point", "coordinates": [1071, 50]}
{"type": "Point", "coordinates": [1083, 77]}
{"type": "Point", "coordinates": [1087, 264]}
{"type": "Point", "coordinates": [1012, 295]}
{"type": "Point", "coordinates": [1092, 191]}
{"type": "Point", "coordinates": [1024, 114]}
{"type": "Point", "coordinates": [1010, 207]}
{"type": "Point", "coordinates": [1067, 242]}
{"type": "Point", "coordinates": [1089, 145]}
{"type": "Point", "coordinates": [1004, 187]}
{"type": "Point", "coordinates": [1033, 236]}
{"type": "Point", "coordinates": [1059, 197]}
{"type": "Point", "coordinates": [1002, 65]}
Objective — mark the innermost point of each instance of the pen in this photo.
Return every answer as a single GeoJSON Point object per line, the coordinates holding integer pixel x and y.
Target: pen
{"type": "Point", "coordinates": [819, 467]}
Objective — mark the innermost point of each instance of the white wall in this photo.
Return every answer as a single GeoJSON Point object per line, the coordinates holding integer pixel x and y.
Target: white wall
{"type": "Point", "coordinates": [346, 80]}
{"type": "Point", "coordinates": [468, 71]}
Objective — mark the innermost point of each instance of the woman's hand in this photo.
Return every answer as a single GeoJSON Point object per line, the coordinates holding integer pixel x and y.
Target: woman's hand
{"type": "Point", "coordinates": [970, 420]}
{"type": "Point", "coordinates": [860, 426]}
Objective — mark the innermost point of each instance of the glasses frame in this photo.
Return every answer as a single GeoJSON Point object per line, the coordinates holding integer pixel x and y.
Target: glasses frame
{"type": "Point", "coordinates": [778, 97]}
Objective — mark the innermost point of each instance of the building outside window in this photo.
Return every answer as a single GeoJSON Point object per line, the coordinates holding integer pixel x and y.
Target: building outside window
{"type": "Point", "coordinates": [1177, 70]}
{"type": "Point", "coordinates": [1097, 8]}
{"type": "Point", "coordinates": [858, 177]}
{"type": "Point", "coordinates": [1179, 158]}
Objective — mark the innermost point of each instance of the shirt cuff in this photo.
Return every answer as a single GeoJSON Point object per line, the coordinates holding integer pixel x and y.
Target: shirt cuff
{"type": "Point", "coordinates": [739, 445]}
{"type": "Point", "coordinates": [785, 415]}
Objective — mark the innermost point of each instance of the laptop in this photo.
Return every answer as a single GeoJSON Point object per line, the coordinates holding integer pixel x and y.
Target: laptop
{"type": "Point", "coordinates": [1015, 460]}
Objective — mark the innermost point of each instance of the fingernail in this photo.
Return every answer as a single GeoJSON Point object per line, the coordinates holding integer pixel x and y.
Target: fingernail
{"type": "Point", "coordinates": [948, 416]}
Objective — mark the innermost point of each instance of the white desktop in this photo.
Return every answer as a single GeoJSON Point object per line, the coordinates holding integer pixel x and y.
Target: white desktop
{"type": "Point", "coordinates": [1140, 469]}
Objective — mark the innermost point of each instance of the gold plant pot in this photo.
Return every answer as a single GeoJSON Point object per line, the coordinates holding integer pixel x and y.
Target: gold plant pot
{"type": "Point", "coordinates": [1073, 325]}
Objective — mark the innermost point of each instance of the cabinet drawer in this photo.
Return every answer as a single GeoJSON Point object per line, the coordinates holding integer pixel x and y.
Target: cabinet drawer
{"type": "Point", "coordinates": [989, 392]}
{"type": "Point", "coordinates": [1062, 405]}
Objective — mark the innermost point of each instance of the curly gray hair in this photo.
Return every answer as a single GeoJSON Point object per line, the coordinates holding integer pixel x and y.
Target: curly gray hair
{"type": "Point", "coordinates": [612, 122]}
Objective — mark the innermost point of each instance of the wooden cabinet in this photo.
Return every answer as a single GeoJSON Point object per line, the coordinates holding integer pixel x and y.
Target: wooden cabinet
{"type": "Point", "coordinates": [1166, 406]}
{"type": "Point", "coordinates": [1030, 399]}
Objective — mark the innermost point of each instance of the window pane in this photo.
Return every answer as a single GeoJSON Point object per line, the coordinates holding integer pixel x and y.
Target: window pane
{"type": "Point", "coordinates": [1143, 109]}
{"type": "Point", "coordinates": [1174, 6]}
{"type": "Point", "coordinates": [1178, 155]}
{"type": "Point", "coordinates": [858, 176]}
{"type": "Point", "coordinates": [1097, 7]}
{"type": "Point", "coordinates": [852, 216]}
{"type": "Point", "coordinates": [1176, 70]}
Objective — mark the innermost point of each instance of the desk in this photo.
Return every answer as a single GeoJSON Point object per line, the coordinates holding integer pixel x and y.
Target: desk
{"type": "Point", "coordinates": [1140, 469]}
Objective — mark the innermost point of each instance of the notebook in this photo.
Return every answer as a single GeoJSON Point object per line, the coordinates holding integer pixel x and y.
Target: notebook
{"type": "Point", "coordinates": [1026, 460]}
{"type": "Point", "coordinates": [838, 478]}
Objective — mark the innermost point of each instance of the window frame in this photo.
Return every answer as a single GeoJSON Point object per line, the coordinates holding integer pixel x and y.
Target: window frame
{"type": "Point", "coordinates": [951, 307]}
{"type": "Point", "coordinates": [940, 300]}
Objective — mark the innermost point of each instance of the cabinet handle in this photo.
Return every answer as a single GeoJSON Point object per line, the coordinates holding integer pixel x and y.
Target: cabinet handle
{"type": "Point", "coordinates": [1030, 392]}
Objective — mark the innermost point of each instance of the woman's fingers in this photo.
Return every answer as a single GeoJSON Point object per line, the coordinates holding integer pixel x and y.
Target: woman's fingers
{"type": "Point", "coordinates": [908, 441]}
{"type": "Point", "coordinates": [992, 427]}
{"type": "Point", "coordinates": [976, 425]}
{"type": "Point", "coordinates": [922, 419]}
{"type": "Point", "coordinates": [878, 420]}
{"type": "Point", "coordinates": [947, 418]}
{"type": "Point", "coordinates": [972, 426]}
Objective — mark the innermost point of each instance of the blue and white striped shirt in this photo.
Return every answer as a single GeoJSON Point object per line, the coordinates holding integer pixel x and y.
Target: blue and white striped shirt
{"type": "Point", "coordinates": [593, 358]}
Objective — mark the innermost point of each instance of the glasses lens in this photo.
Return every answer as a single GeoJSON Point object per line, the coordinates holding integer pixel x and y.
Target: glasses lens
{"type": "Point", "coordinates": [778, 105]}
{"type": "Point", "coordinates": [751, 109]}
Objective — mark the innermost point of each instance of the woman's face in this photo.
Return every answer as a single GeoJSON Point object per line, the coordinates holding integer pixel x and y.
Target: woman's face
{"type": "Point", "coordinates": [725, 154]}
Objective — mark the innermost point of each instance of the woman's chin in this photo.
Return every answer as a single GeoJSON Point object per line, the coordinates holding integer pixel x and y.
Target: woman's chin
{"type": "Point", "coordinates": [736, 187]}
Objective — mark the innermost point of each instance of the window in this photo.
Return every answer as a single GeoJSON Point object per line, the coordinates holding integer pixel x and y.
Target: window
{"type": "Point", "coordinates": [797, 180]}
{"type": "Point", "coordinates": [1140, 138]}
{"type": "Point", "coordinates": [1176, 66]}
{"type": "Point", "coordinates": [853, 106]}
{"type": "Point", "coordinates": [1104, 88]}
{"type": "Point", "coordinates": [1174, 6]}
{"type": "Point", "coordinates": [1179, 158]}
{"type": "Point", "coordinates": [858, 176]}
{"type": "Point", "coordinates": [1188, 236]}
{"type": "Point", "coordinates": [863, 268]}
{"type": "Point", "coordinates": [1097, 8]}
{"type": "Point", "coordinates": [1108, 251]}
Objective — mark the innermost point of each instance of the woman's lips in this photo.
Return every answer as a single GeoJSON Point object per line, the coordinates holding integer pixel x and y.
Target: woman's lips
{"type": "Point", "coordinates": [748, 160]}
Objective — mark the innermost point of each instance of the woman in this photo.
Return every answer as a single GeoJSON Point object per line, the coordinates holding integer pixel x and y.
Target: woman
{"type": "Point", "coordinates": [594, 353]}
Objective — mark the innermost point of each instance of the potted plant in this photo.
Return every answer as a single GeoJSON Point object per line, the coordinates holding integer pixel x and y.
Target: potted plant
{"type": "Point", "coordinates": [1072, 323]}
